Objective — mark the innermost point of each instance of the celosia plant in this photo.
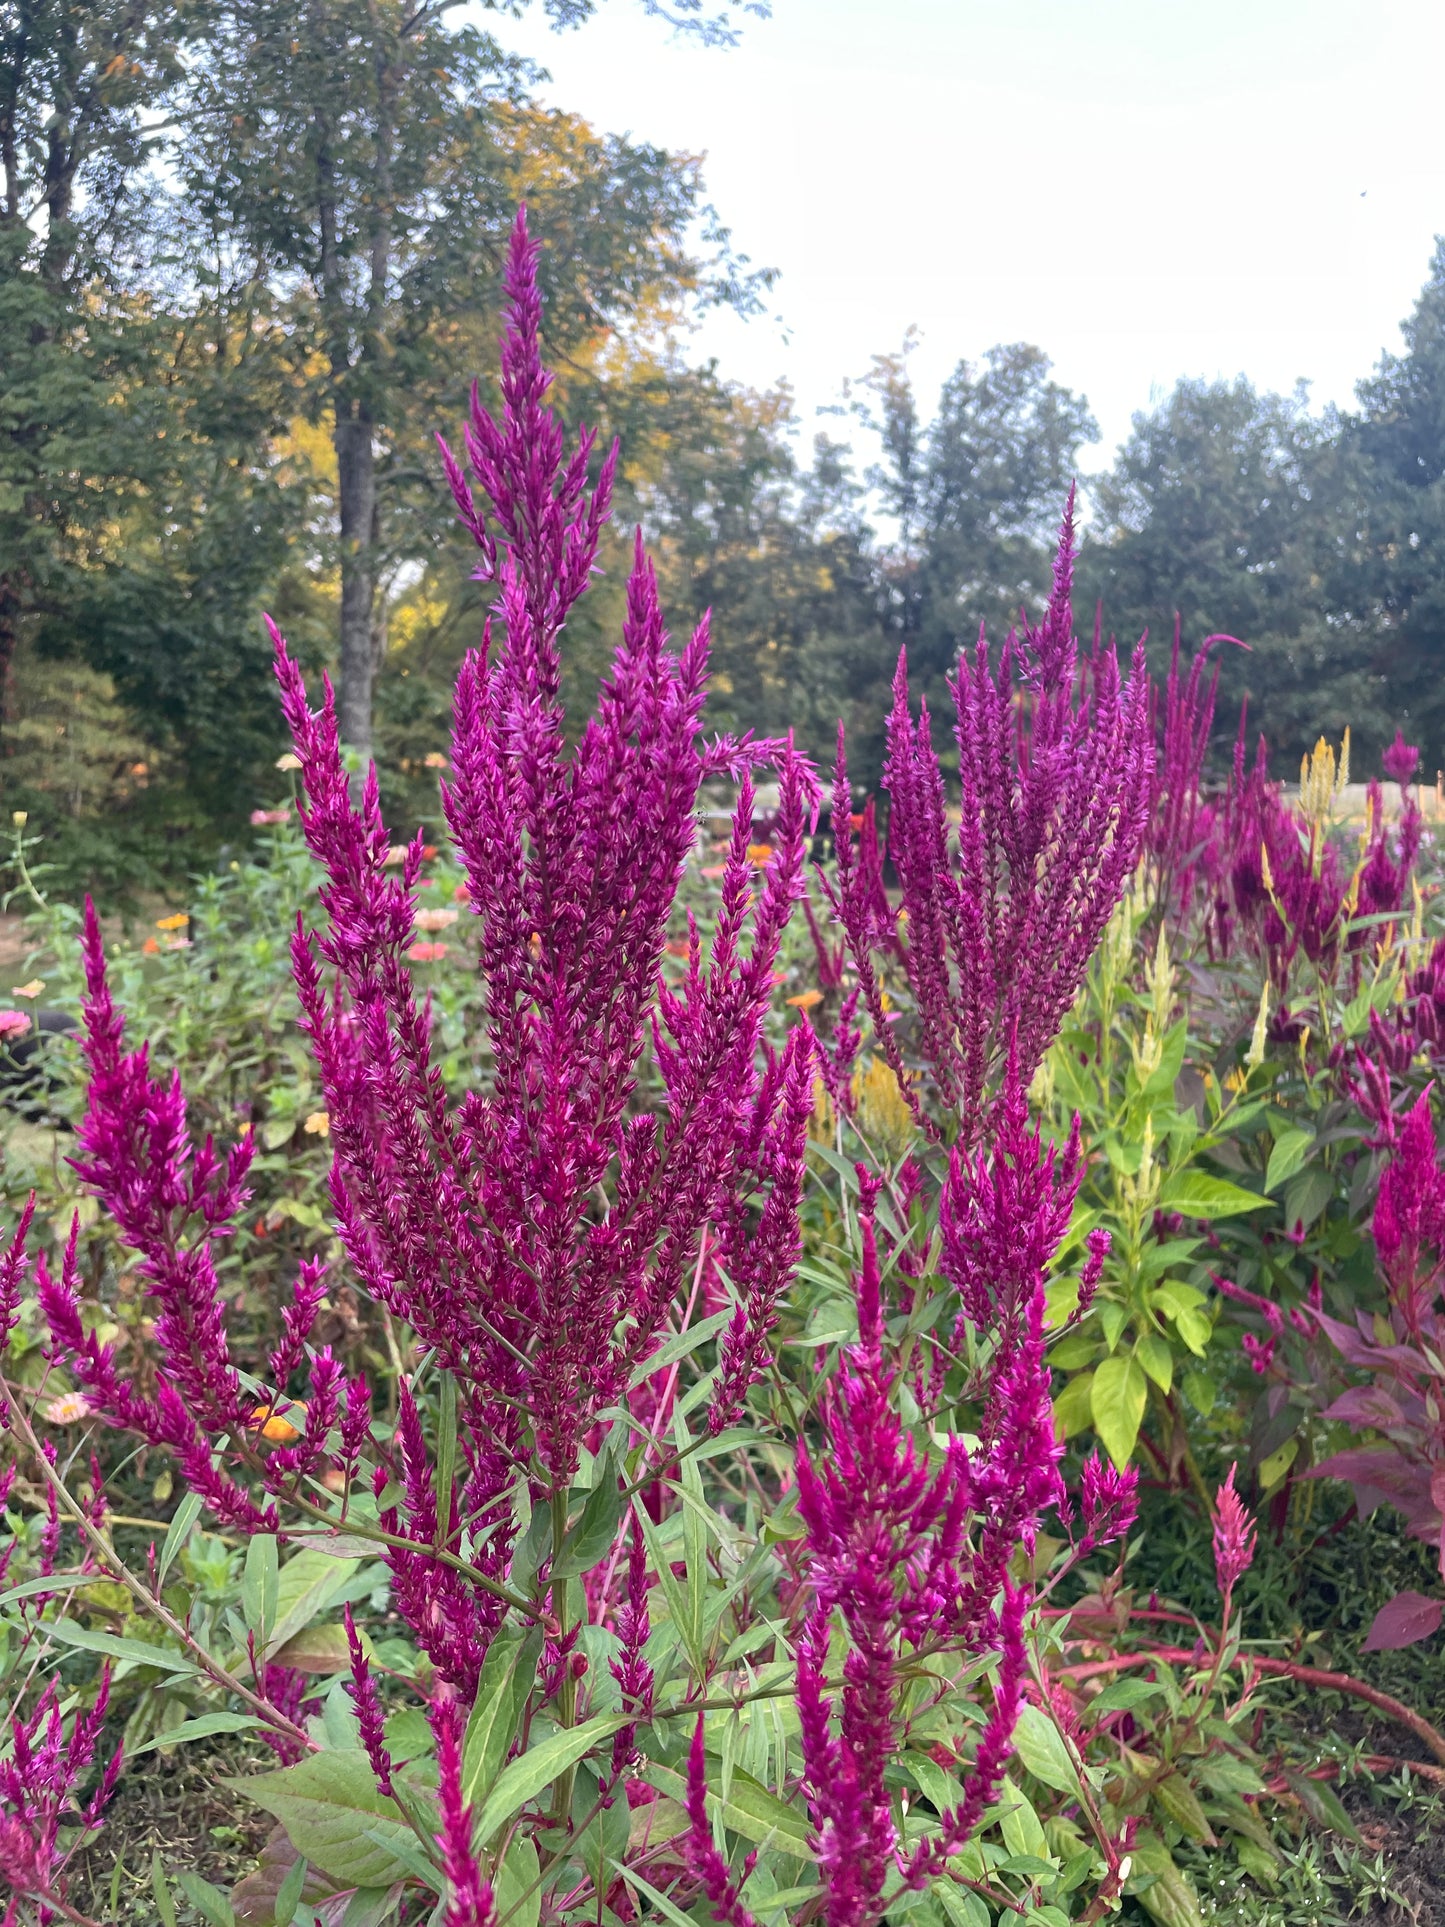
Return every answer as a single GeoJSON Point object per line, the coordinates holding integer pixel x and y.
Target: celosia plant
{"type": "Point", "coordinates": [996, 925]}
{"type": "Point", "coordinates": [579, 1261]}
{"type": "Point", "coordinates": [1400, 1405]}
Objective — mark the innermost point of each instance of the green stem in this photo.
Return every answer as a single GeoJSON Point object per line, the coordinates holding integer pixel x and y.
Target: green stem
{"type": "Point", "coordinates": [567, 1691]}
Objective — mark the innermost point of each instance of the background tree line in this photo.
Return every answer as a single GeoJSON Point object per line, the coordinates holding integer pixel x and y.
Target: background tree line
{"type": "Point", "coordinates": [249, 262]}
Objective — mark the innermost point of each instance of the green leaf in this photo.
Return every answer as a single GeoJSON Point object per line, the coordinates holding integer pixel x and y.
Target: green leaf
{"type": "Point", "coordinates": [961, 1904]}
{"type": "Point", "coordinates": [55, 1582]}
{"type": "Point", "coordinates": [259, 1585]}
{"type": "Point", "coordinates": [1273, 1468]}
{"type": "Point", "coordinates": [117, 1647]}
{"type": "Point", "coordinates": [1126, 1694]}
{"type": "Point", "coordinates": [538, 1767]}
{"type": "Point", "coordinates": [446, 1461]}
{"type": "Point", "coordinates": [409, 1854]}
{"type": "Point", "coordinates": [749, 1810]}
{"type": "Point", "coordinates": [1201, 1391]}
{"type": "Point", "coordinates": [1038, 1745]}
{"type": "Point", "coordinates": [1073, 1408]}
{"type": "Point", "coordinates": [666, 1579]}
{"type": "Point", "coordinates": [177, 1533]}
{"type": "Point", "coordinates": [336, 1815]}
{"type": "Point", "coordinates": [1113, 1317]}
{"type": "Point", "coordinates": [197, 1729]}
{"type": "Point", "coordinates": [288, 1896]}
{"type": "Point", "coordinates": [1180, 1803]}
{"type": "Point", "coordinates": [1291, 1148]}
{"type": "Point", "coordinates": [1117, 1400]}
{"type": "Point", "coordinates": [370, 1907]}
{"type": "Point", "coordinates": [680, 1346]}
{"type": "Point", "coordinates": [308, 1585]}
{"type": "Point", "coordinates": [1153, 1353]}
{"type": "Point", "coordinates": [667, 1908]}
{"type": "Point", "coordinates": [517, 1873]}
{"type": "Point", "coordinates": [506, 1679]}
{"type": "Point", "coordinates": [1194, 1194]}
{"type": "Point", "coordinates": [591, 1538]}
{"type": "Point", "coordinates": [1019, 1823]}
{"type": "Point", "coordinates": [1169, 1893]}
{"type": "Point", "coordinates": [208, 1901]}
{"type": "Point", "coordinates": [161, 1889]}
{"type": "Point", "coordinates": [1307, 1195]}
{"type": "Point", "coordinates": [1322, 1804]}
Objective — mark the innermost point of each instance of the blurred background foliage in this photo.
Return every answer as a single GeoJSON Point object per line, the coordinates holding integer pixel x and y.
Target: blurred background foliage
{"type": "Point", "coordinates": [249, 263]}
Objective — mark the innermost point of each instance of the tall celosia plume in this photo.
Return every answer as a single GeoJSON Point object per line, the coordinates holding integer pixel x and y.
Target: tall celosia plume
{"type": "Point", "coordinates": [1287, 881]}
{"type": "Point", "coordinates": [1182, 828]}
{"type": "Point", "coordinates": [997, 924]}
{"type": "Point", "coordinates": [536, 1235]}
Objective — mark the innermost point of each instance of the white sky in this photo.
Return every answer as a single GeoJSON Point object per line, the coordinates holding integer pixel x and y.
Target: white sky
{"type": "Point", "coordinates": [1144, 188]}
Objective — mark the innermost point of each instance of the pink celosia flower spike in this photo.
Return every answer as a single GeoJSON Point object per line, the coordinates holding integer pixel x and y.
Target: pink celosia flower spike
{"type": "Point", "coordinates": [538, 1234]}
{"type": "Point", "coordinates": [1056, 762]}
{"type": "Point", "coordinates": [1234, 1537]}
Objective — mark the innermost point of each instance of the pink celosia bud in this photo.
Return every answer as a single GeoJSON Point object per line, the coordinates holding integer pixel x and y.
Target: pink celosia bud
{"type": "Point", "coordinates": [1234, 1536]}
{"type": "Point", "coordinates": [1108, 1501]}
{"type": "Point", "coordinates": [1400, 760]}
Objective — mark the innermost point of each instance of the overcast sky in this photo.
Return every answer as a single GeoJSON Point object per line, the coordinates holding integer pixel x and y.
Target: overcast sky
{"type": "Point", "coordinates": [1145, 188]}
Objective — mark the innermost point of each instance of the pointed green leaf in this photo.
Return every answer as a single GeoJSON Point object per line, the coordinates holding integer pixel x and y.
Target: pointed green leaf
{"type": "Point", "coordinates": [117, 1647]}
{"type": "Point", "coordinates": [161, 1889]}
{"type": "Point", "coordinates": [178, 1532]}
{"type": "Point", "coordinates": [1117, 1400]}
{"type": "Point", "coordinates": [680, 1346]}
{"type": "Point", "coordinates": [1153, 1353]}
{"type": "Point", "coordinates": [1290, 1150]}
{"type": "Point", "coordinates": [288, 1897]}
{"type": "Point", "coordinates": [209, 1902]}
{"type": "Point", "coordinates": [197, 1729]}
{"type": "Point", "coordinates": [539, 1766]}
{"type": "Point", "coordinates": [335, 1814]}
{"type": "Point", "coordinates": [1038, 1745]}
{"type": "Point", "coordinates": [259, 1587]}
{"type": "Point", "coordinates": [507, 1675]}
{"type": "Point", "coordinates": [1195, 1194]}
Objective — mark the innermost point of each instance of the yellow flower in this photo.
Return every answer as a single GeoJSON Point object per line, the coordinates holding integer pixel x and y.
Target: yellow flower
{"type": "Point", "coordinates": [288, 761]}
{"type": "Point", "coordinates": [279, 1430]}
{"type": "Point", "coordinates": [177, 922]}
{"type": "Point", "coordinates": [434, 759]}
{"type": "Point", "coordinates": [32, 989]}
{"type": "Point", "coordinates": [809, 1000]}
{"type": "Point", "coordinates": [435, 919]}
{"type": "Point", "coordinates": [318, 1124]}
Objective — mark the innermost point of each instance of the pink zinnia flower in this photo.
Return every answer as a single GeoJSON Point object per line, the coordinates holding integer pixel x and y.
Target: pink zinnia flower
{"type": "Point", "coordinates": [13, 1023]}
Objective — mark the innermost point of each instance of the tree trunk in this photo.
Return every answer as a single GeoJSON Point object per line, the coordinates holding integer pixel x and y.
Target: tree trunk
{"type": "Point", "coordinates": [356, 490]}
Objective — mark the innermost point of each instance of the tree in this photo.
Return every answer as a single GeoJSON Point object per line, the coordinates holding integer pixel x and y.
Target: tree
{"type": "Point", "coordinates": [365, 160]}
{"type": "Point", "coordinates": [1398, 575]}
{"type": "Point", "coordinates": [975, 496]}
{"type": "Point", "coordinates": [1234, 509]}
{"type": "Point", "coordinates": [80, 81]}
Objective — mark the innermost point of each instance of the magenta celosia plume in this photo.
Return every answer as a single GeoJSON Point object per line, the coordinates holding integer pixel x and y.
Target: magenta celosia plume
{"type": "Point", "coordinates": [536, 1234]}
{"type": "Point", "coordinates": [998, 922]}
